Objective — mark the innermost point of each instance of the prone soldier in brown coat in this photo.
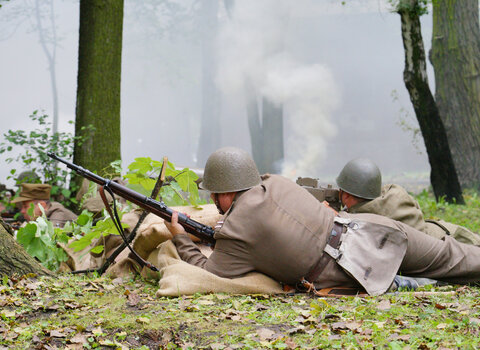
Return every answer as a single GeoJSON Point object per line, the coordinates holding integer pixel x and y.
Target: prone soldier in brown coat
{"type": "Point", "coordinates": [273, 226]}
{"type": "Point", "coordinates": [39, 194]}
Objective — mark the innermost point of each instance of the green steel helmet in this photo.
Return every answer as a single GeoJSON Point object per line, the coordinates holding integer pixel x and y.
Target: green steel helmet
{"type": "Point", "coordinates": [27, 176]}
{"type": "Point", "coordinates": [362, 178]}
{"type": "Point", "coordinates": [229, 169]}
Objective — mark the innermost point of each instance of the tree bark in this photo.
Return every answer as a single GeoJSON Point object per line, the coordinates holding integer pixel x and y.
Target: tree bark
{"type": "Point", "coordinates": [98, 90]}
{"type": "Point", "coordinates": [210, 126]}
{"type": "Point", "coordinates": [455, 56]}
{"type": "Point", "coordinates": [14, 260]}
{"type": "Point", "coordinates": [443, 176]}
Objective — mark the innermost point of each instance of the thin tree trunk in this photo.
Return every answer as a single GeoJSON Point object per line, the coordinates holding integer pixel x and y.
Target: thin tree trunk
{"type": "Point", "coordinates": [254, 125]}
{"type": "Point", "coordinates": [51, 56]}
{"type": "Point", "coordinates": [273, 136]}
{"type": "Point", "coordinates": [14, 260]}
{"type": "Point", "coordinates": [98, 90]}
{"type": "Point", "coordinates": [210, 126]}
{"type": "Point", "coordinates": [443, 177]}
{"type": "Point", "coordinates": [455, 56]}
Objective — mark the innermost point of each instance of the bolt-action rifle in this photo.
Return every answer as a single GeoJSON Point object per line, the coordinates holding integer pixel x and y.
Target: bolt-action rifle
{"type": "Point", "coordinates": [205, 233]}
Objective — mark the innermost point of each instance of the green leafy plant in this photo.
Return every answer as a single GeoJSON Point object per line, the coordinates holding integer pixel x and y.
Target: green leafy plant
{"type": "Point", "coordinates": [180, 187]}
{"type": "Point", "coordinates": [85, 232]}
{"type": "Point", "coordinates": [40, 238]}
{"type": "Point", "coordinates": [34, 146]}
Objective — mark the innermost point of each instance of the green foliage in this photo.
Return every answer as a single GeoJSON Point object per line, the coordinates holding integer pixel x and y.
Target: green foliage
{"type": "Point", "coordinates": [467, 215]}
{"type": "Point", "coordinates": [33, 148]}
{"type": "Point", "coordinates": [39, 238]}
{"type": "Point", "coordinates": [86, 232]}
{"type": "Point", "coordinates": [179, 189]}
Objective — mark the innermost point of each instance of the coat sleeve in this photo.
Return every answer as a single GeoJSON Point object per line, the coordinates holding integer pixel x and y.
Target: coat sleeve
{"type": "Point", "coordinates": [226, 260]}
{"type": "Point", "coordinates": [189, 251]}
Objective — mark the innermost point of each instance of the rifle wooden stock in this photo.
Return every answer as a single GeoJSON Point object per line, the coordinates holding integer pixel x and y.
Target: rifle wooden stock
{"type": "Point", "coordinates": [153, 206]}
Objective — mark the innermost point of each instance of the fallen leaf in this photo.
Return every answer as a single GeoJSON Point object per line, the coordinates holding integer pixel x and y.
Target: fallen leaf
{"type": "Point", "coordinates": [133, 299]}
{"type": "Point", "coordinates": [296, 330]}
{"type": "Point", "coordinates": [353, 326]}
{"type": "Point", "coordinates": [57, 334]}
{"type": "Point", "coordinates": [265, 334]}
{"type": "Point", "coordinates": [143, 320]}
{"type": "Point", "coordinates": [78, 339]}
{"type": "Point", "coordinates": [107, 342]}
{"type": "Point", "coordinates": [97, 331]}
{"type": "Point", "coordinates": [474, 320]}
{"type": "Point", "coordinates": [8, 313]}
{"type": "Point", "coordinates": [384, 305]}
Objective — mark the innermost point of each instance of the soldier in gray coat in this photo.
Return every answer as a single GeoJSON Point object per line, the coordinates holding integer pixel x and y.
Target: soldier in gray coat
{"type": "Point", "coordinates": [273, 226]}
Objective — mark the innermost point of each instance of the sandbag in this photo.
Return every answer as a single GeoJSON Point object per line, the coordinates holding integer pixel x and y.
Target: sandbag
{"type": "Point", "coordinates": [180, 278]}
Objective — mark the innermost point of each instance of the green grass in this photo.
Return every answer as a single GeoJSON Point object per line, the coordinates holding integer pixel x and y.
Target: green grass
{"type": "Point", "coordinates": [81, 312]}
{"type": "Point", "coordinates": [467, 215]}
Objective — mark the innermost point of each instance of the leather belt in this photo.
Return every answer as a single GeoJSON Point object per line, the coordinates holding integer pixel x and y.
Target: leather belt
{"type": "Point", "coordinates": [334, 241]}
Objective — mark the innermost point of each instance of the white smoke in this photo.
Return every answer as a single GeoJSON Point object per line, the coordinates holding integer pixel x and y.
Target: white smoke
{"type": "Point", "coordinates": [254, 46]}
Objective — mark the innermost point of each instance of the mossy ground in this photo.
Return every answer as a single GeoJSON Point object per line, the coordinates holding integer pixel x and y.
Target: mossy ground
{"type": "Point", "coordinates": [85, 312]}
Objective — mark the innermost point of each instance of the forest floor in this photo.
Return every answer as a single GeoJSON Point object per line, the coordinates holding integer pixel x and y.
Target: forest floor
{"type": "Point", "coordinates": [91, 312]}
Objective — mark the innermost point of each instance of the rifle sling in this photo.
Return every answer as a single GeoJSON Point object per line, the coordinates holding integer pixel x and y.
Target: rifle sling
{"type": "Point", "coordinates": [118, 225]}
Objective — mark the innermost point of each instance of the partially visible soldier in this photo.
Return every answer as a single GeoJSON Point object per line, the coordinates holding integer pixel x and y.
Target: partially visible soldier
{"type": "Point", "coordinates": [361, 191]}
{"type": "Point", "coordinates": [39, 194]}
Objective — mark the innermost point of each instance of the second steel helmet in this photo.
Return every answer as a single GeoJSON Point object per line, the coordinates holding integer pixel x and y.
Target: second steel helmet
{"type": "Point", "coordinates": [229, 169]}
{"type": "Point", "coordinates": [362, 178]}
{"type": "Point", "coordinates": [27, 176]}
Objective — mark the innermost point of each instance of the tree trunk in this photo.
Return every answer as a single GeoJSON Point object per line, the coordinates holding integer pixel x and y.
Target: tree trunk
{"type": "Point", "coordinates": [254, 126]}
{"type": "Point", "coordinates": [51, 55]}
{"type": "Point", "coordinates": [98, 90]}
{"type": "Point", "coordinates": [266, 131]}
{"type": "Point", "coordinates": [210, 126]}
{"type": "Point", "coordinates": [443, 177]}
{"type": "Point", "coordinates": [14, 260]}
{"type": "Point", "coordinates": [455, 56]}
{"type": "Point", "coordinates": [273, 136]}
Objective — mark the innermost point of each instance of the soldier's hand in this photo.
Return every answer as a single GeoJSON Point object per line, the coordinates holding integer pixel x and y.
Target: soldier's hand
{"type": "Point", "coordinates": [174, 227]}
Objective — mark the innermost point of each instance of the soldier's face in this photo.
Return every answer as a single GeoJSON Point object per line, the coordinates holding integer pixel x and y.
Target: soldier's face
{"type": "Point", "coordinates": [223, 201]}
{"type": "Point", "coordinates": [30, 209]}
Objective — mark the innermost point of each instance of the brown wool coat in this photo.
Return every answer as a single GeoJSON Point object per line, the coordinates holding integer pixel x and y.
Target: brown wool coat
{"type": "Point", "coordinates": [280, 229]}
{"type": "Point", "coordinates": [59, 215]}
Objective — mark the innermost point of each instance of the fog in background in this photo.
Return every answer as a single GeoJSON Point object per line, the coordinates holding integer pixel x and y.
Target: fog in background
{"type": "Point", "coordinates": [338, 76]}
